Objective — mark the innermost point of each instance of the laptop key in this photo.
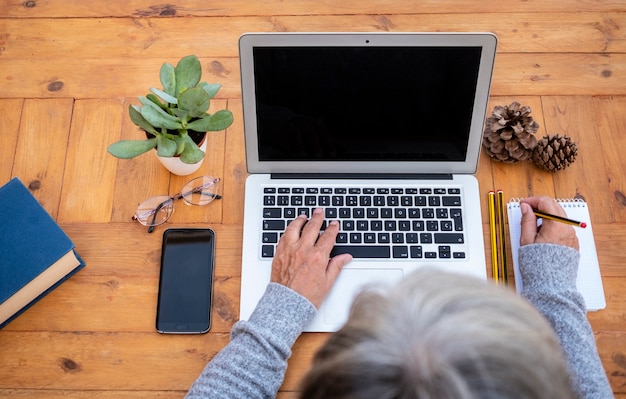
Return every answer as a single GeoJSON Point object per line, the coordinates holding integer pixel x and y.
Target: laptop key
{"type": "Point", "coordinates": [416, 251]}
{"type": "Point", "coordinates": [444, 252]}
{"type": "Point", "coordinates": [331, 213]}
{"type": "Point", "coordinates": [273, 213]}
{"type": "Point", "coordinates": [274, 225]}
{"type": "Point", "coordinates": [449, 238]}
{"type": "Point", "coordinates": [342, 238]}
{"type": "Point", "coordinates": [270, 238]}
{"type": "Point", "coordinates": [362, 251]}
{"type": "Point", "coordinates": [451, 201]}
{"type": "Point", "coordinates": [267, 251]}
{"type": "Point", "coordinates": [457, 218]}
{"type": "Point", "coordinates": [400, 251]}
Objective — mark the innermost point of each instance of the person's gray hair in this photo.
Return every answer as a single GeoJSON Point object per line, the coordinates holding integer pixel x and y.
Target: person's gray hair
{"type": "Point", "coordinates": [440, 335]}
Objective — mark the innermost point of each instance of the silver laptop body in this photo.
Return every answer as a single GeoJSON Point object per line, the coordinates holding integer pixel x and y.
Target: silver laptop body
{"type": "Point", "coordinates": [383, 131]}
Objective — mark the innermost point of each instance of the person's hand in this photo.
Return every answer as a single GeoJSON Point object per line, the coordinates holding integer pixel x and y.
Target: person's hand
{"type": "Point", "coordinates": [302, 257]}
{"type": "Point", "coordinates": [550, 231]}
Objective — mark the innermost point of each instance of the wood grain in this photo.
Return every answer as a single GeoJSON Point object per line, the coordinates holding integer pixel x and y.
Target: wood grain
{"type": "Point", "coordinates": [11, 111]}
{"type": "Point", "coordinates": [242, 8]}
{"type": "Point", "coordinates": [70, 69]}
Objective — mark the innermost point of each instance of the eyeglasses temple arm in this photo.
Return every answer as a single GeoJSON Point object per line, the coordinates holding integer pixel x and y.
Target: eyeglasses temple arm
{"type": "Point", "coordinates": [154, 215]}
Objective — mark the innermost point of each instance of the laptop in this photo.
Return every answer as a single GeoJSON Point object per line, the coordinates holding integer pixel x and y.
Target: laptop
{"type": "Point", "coordinates": [383, 131]}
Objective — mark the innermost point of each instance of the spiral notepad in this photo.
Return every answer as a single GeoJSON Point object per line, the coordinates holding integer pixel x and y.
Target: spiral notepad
{"type": "Point", "coordinates": [589, 280]}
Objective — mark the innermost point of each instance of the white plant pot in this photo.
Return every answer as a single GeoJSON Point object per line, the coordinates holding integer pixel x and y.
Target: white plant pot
{"type": "Point", "coordinates": [178, 167]}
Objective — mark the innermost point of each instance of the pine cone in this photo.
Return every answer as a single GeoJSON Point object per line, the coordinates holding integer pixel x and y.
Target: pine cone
{"type": "Point", "coordinates": [555, 152]}
{"type": "Point", "coordinates": [510, 133]}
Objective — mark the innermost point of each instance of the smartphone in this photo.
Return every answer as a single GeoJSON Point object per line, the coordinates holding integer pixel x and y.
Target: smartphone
{"type": "Point", "coordinates": [186, 281]}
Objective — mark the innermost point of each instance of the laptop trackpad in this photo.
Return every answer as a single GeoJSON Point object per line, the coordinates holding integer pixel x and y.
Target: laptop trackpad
{"type": "Point", "coordinates": [349, 283]}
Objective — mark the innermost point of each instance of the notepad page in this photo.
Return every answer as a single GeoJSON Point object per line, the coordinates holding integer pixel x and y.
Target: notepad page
{"type": "Point", "coordinates": [589, 280]}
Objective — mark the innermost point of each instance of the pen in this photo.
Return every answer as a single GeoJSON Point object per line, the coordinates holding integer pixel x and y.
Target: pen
{"type": "Point", "coordinates": [561, 219]}
{"type": "Point", "coordinates": [492, 230]}
{"type": "Point", "coordinates": [502, 237]}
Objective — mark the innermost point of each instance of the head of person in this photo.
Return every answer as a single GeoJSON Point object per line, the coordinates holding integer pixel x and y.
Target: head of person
{"type": "Point", "coordinates": [440, 335]}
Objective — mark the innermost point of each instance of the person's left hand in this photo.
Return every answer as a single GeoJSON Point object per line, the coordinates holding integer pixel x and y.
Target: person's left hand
{"type": "Point", "coordinates": [302, 260]}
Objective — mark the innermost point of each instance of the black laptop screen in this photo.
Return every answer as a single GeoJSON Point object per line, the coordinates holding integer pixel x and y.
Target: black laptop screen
{"type": "Point", "coordinates": [364, 103]}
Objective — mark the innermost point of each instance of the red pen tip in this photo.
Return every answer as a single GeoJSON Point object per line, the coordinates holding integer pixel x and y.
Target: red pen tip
{"type": "Point", "coordinates": [583, 225]}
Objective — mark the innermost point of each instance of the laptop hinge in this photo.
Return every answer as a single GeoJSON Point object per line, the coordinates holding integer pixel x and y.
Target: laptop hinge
{"type": "Point", "coordinates": [362, 176]}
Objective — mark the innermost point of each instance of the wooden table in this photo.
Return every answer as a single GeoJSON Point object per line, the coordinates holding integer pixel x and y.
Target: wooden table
{"type": "Point", "coordinates": [69, 70]}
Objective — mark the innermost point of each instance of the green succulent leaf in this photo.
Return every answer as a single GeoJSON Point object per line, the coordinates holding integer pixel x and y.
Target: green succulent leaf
{"type": "Point", "coordinates": [188, 72]}
{"type": "Point", "coordinates": [191, 152]}
{"type": "Point", "coordinates": [180, 143]}
{"type": "Point", "coordinates": [168, 79]}
{"type": "Point", "coordinates": [211, 89]}
{"type": "Point", "coordinates": [165, 146]}
{"type": "Point", "coordinates": [155, 100]}
{"type": "Point", "coordinates": [135, 116]}
{"type": "Point", "coordinates": [127, 149]}
{"type": "Point", "coordinates": [194, 100]}
{"type": "Point", "coordinates": [182, 114]}
{"type": "Point", "coordinates": [216, 122]}
{"type": "Point", "coordinates": [159, 118]}
{"type": "Point", "coordinates": [166, 97]}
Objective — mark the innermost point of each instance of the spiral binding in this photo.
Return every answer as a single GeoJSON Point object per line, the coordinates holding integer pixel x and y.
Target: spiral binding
{"type": "Point", "coordinates": [564, 202]}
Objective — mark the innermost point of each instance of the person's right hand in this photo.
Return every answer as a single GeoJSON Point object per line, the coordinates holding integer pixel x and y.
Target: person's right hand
{"type": "Point", "coordinates": [302, 261]}
{"type": "Point", "coordinates": [550, 231]}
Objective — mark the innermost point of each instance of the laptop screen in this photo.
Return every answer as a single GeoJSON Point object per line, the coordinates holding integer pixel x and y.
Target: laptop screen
{"type": "Point", "coordinates": [364, 103]}
{"type": "Point", "coordinates": [385, 103]}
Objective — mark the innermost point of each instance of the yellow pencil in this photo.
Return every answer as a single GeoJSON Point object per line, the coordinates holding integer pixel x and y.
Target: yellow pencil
{"type": "Point", "coordinates": [502, 237]}
{"type": "Point", "coordinates": [492, 231]}
{"type": "Point", "coordinates": [561, 219]}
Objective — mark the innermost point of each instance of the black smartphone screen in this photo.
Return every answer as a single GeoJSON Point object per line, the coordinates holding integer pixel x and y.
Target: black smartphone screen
{"type": "Point", "coordinates": [186, 281]}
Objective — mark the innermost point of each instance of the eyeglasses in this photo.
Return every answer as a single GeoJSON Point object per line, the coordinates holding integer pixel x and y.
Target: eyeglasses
{"type": "Point", "coordinates": [156, 210]}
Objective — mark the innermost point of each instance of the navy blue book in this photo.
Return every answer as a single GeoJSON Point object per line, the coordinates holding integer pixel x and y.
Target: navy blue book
{"type": "Point", "coordinates": [35, 254]}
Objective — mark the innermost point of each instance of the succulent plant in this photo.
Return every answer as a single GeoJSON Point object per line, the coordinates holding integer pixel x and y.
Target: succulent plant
{"type": "Point", "coordinates": [168, 115]}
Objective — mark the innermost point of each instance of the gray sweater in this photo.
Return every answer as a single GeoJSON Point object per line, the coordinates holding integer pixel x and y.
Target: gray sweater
{"type": "Point", "coordinates": [253, 364]}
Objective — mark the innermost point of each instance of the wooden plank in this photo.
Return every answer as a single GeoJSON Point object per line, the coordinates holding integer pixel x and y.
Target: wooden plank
{"type": "Point", "coordinates": [90, 171]}
{"type": "Point", "coordinates": [519, 33]}
{"type": "Point", "coordinates": [235, 172]}
{"type": "Point", "coordinates": [137, 178]}
{"type": "Point", "coordinates": [610, 120]}
{"type": "Point", "coordinates": [109, 360]}
{"type": "Point", "coordinates": [558, 74]}
{"type": "Point", "coordinates": [117, 303]}
{"type": "Point", "coordinates": [610, 239]}
{"type": "Point", "coordinates": [270, 8]}
{"type": "Point", "coordinates": [88, 394]}
{"type": "Point", "coordinates": [138, 253]}
{"type": "Point", "coordinates": [574, 116]}
{"type": "Point", "coordinates": [117, 77]}
{"type": "Point", "coordinates": [41, 149]}
{"type": "Point", "coordinates": [514, 75]}
{"type": "Point", "coordinates": [11, 111]}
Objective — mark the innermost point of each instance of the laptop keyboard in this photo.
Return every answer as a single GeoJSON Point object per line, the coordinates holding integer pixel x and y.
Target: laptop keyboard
{"type": "Point", "coordinates": [375, 222]}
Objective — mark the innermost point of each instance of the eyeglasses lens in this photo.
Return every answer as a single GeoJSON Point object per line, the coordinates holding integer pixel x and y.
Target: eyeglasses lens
{"type": "Point", "coordinates": [154, 211]}
{"type": "Point", "coordinates": [200, 191]}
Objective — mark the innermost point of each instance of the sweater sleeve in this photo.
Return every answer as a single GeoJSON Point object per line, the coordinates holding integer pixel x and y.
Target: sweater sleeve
{"type": "Point", "coordinates": [253, 364]}
{"type": "Point", "coordinates": [548, 274]}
